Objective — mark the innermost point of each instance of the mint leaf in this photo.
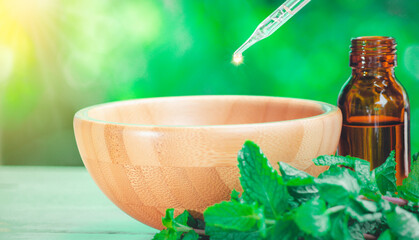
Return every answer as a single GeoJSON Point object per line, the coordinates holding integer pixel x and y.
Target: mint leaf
{"type": "Point", "coordinates": [402, 223]}
{"type": "Point", "coordinates": [233, 220]}
{"type": "Point", "coordinates": [300, 185]}
{"type": "Point", "coordinates": [287, 229]}
{"type": "Point", "coordinates": [235, 216]}
{"type": "Point", "coordinates": [167, 234]}
{"type": "Point", "coordinates": [235, 197]}
{"type": "Point", "coordinates": [357, 164]}
{"type": "Point", "coordinates": [337, 184]}
{"type": "Point", "coordinates": [289, 172]}
{"type": "Point", "coordinates": [385, 175]}
{"type": "Point", "coordinates": [217, 233]}
{"type": "Point", "coordinates": [360, 166]}
{"type": "Point", "coordinates": [195, 223]}
{"type": "Point", "coordinates": [409, 190]}
{"type": "Point", "coordinates": [311, 217]}
{"type": "Point", "coordinates": [339, 230]}
{"type": "Point", "coordinates": [180, 223]}
{"type": "Point", "coordinates": [177, 226]}
{"type": "Point", "coordinates": [302, 190]}
{"type": "Point", "coordinates": [363, 210]}
{"type": "Point", "coordinates": [363, 174]}
{"type": "Point", "coordinates": [191, 235]}
{"type": "Point", "coordinates": [261, 183]}
{"type": "Point", "coordinates": [168, 219]}
{"type": "Point", "coordinates": [387, 235]}
{"type": "Point", "coordinates": [183, 218]}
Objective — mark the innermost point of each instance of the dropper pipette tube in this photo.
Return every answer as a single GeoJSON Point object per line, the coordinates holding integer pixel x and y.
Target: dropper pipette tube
{"type": "Point", "coordinates": [268, 26]}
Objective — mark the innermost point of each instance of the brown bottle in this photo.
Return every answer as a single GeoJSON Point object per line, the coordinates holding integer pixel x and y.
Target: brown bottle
{"type": "Point", "coordinates": [375, 106]}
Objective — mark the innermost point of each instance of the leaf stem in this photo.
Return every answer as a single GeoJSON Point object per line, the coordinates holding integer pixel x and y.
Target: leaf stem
{"type": "Point", "coordinates": [398, 201]}
{"type": "Point", "coordinates": [199, 231]}
{"type": "Point", "coordinates": [185, 229]}
{"type": "Point", "coordinates": [369, 236]}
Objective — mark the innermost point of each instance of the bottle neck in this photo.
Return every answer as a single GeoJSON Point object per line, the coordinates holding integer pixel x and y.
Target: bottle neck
{"type": "Point", "coordinates": [373, 61]}
{"type": "Point", "coordinates": [368, 73]}
{"type": "Point", "coordinates": [373, 52]}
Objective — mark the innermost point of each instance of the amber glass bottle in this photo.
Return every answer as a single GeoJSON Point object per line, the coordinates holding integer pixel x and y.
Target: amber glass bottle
{"type": "Point", "coordinates": [375, 106]}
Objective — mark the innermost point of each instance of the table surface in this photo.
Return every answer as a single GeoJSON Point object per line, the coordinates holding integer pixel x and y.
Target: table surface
{"type": "Point", "coordinates": [60, 203]}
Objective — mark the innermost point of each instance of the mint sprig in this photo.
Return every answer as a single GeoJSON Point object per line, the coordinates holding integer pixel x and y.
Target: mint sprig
{"type": "Point", "coordinates": [177, 228]}
{"type": "Point", "coordinates": [349, 202]}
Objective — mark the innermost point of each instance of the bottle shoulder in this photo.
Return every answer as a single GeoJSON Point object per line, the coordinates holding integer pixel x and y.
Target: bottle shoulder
{"type": "Point", "coordinates": [373, 96]}
{"type": "Point", "coordinates": [372, 90]}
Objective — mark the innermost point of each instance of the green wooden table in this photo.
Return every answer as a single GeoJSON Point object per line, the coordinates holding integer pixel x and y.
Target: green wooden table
{"type": "Point", "coordinates": [60, 203]}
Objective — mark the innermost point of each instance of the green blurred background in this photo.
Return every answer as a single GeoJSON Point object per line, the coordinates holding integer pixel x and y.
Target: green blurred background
{"type": "Point", "coordinates": [59, 56]}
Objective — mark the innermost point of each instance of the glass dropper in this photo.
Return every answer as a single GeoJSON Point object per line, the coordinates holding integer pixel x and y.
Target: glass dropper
{"type": "Point", "coordinates": [281, 15]}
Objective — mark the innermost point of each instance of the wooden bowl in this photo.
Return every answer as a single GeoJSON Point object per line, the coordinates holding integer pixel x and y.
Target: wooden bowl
{"type": "Point", "coordinates": [148, 155]}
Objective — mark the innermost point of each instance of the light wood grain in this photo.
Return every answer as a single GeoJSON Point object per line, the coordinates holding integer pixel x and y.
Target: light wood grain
{"type": "Point", "coordinates": [180, 152]}
{"type": "Point", "coordinates": [45, 203]}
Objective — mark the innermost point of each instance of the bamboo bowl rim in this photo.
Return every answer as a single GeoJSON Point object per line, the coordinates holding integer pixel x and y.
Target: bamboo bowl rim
{"type": "Point", "coordinates": [83, 114]}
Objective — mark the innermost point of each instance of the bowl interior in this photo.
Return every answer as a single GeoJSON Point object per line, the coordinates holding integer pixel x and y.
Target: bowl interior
{"type": "Point", "coordinates": [205, 110]}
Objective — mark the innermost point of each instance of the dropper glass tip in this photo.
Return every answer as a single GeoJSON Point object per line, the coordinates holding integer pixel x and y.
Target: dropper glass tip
{"type": "Point", "coordinates": [237, 59]}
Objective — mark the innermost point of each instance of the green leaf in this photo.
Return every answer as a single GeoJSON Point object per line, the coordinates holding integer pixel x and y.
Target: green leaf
{"type": "Point", "coordinates": [385, 175]}
{"type": "Point", "coordinates": [287, 229]}
{"type": "Point", "coordinates": [357, 164]}
{"type": "Point", "coordinates": [360, 166]}
{"type": "Point", "coordinates": [183, 218]}
{"type": "Point", "coordinates": [235, 220]}
{"type": "Point", "coordinates": [191, 235]}
{"type": "Point", "coordinates": [387, 235]}
{"type": "Point", "coordinates": [339, 222]}
{"type": "Point", "coordinates": [167, 234]}
{"type": "Point", "coordinates": [409, 190]}
{"type": "Point", "coordinates": [168, 219]}
{"type": "Point", "coordinates": [402, 223]}
{"type": "Point", "coordinates": [217, 233]}
{"type": "Point", "coordinates": [355, 214]}
{"type": "Point", "coordinates": [300, 185]}
{"type": "Point", "coordinates": [367, 205]}
{"type": "Point", "coordinates": [337, 184]}
{"type": "Point", "coordinates": [175, 226]}
{"type": "Point", "coordinates": [235, 197]}
{"type": "Point", "coordinates": [363, 174]}
{"type": "Point", "coordinates": [289, 172]}
{"type": "Point", "coordinates": [194, 223]}
{"type": "Point", "coordinates": [415, 157]}
{"type": "Point", "coordinates": [363, 210]}
{"type": "Point", "coordinates": [301, 191]}
{"type": "Point", "coordinates": [235, 216]}
{"type": "Point", "coordinates": [178, 224]}
{"type": "Point", "coordinates": [261, 183]}
{"type": "Point", "coordinates": [332, 160]}
{"type": "Point", "coordinates": [311, 218]}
